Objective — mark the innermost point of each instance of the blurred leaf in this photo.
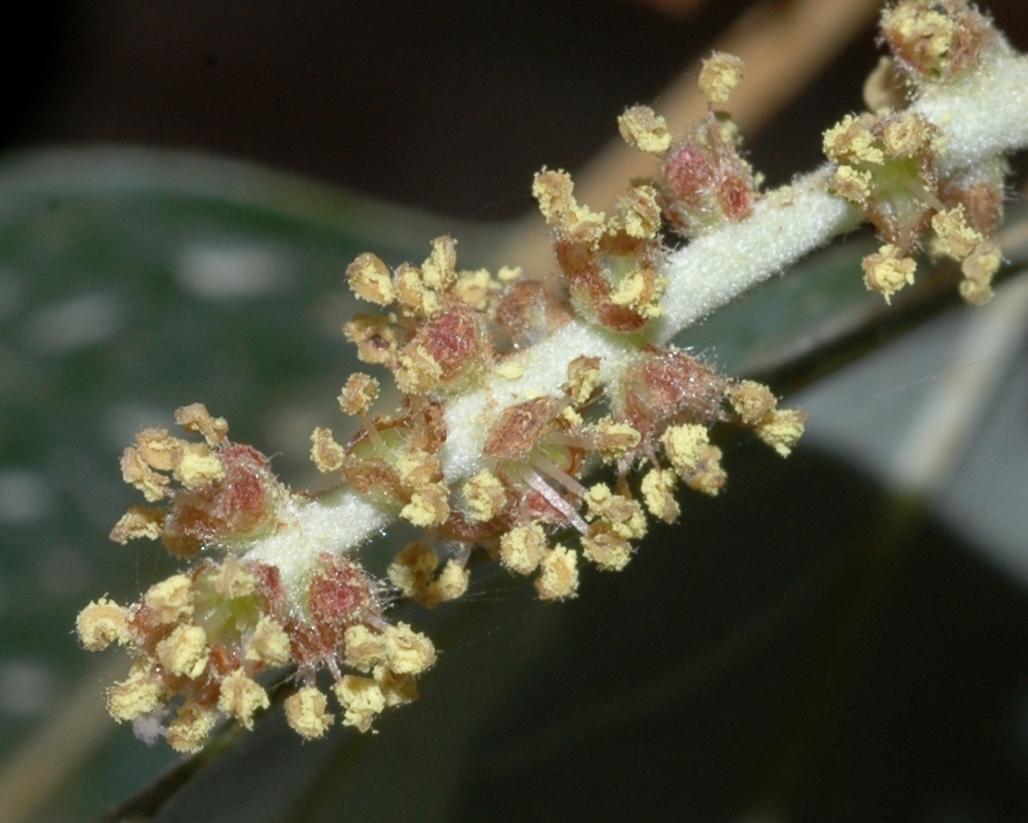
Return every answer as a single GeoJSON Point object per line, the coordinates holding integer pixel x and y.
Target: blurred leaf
{"type": "Point", "coordinates": [134, 281]}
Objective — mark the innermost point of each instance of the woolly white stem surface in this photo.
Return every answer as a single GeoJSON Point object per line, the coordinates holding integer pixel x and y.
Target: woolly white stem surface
{"type": "Point", "coordinates": [716, 267]}
{"type": "Point", "coordinates": [982, 116]}
{"type": "Point", "coordinates": [336, 522]}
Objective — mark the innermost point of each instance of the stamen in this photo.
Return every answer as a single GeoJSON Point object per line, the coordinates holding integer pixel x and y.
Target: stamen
{"type": "Point", "coordinates": [554, 499]}
{"type": "Point", "coordinates": [558, 474]}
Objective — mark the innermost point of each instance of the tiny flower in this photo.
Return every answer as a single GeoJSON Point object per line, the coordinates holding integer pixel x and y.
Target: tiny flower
{"type": "Point", "coordinates": [359, 393]}
{"type": "Point", "coordinates": [523, 548]}
{"type": "Point", "coordinates": [138, 522]}
{"type": "Point", "coordinates": [171, 599]}
{"type": "Point", "coordinates": [241, 697]}
{"type": "Point", "coordinates": [644, 129]}
{"type": "Point", "coordinates": [190, 729]}
{"type": "Point", "coordinates": [658, 490]}
{"type": "Point", "coordinates": [720, 75]}
{"type": "Point", "coordinates": [485, 496]}
{"type": "Point", "coordinates": [371, 280]}
{"type": "Point", "coordinates": [184, 652]}
{"type": "Point", "coordinates": [558, 574]}
{"type": "Point", "coordinates": [408, 651]}
{"type": "Point", "coordinates": [136, 695]}
{"type": "Point", "coordinates": [101, 623]}
{"type": "Point", "coordinates": [326, 453]}
{"type": "Point", "coordinates": [363, 700]}
{"type": "Point", "coordinates": [451, 584]}
{"type": "Point", "coordinates": [887, 271]}
{"type": "Point", "coordinates": [307, 713]}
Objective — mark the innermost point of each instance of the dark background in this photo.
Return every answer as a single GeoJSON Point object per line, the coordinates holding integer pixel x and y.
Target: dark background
{"type": "Point", "coordinates": [450, 107]}
{"type": "Point", "coordinates": [446, 105]}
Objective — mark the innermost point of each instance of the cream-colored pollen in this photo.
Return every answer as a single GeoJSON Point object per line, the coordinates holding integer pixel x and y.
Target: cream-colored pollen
{"type": "Point", "coordinates": [622, 516]}
{"type": "Point", "coordinates": [101, 623]}
{"type": "Point", "coordinates": [413, 293]}
{"type": "Point", "coordinates": [231, 580]}
{"type": "Point", "coordinates": [583, 225]}
{"type": "Point", "coordinates": [639, 212]}
{"type": "Point", "coordinates": [374, 336]}
{"type": "Point", "coordinates": [886, 272]}
{"type": "Point", "coordinates": [307, 713]}
{"type": "Point", "coordinates": [979, 268]}
{"type": "Point", "coordinates": [508, 274]}
{"type": "Point", "coordinates": [475, 288]}
{"type": "Point", "coordinates": [241, 697]}
{"type": "Point", "coordinates": [136, 695]}
{"type": "Point", "coordinates": [326, 453]}
{"type": "Point", "coordinates": [138, 522]}
{"type": "Point", "coordinates": [429, 506]}
{"type": "Point", "coordinates": [684, 446]}
{"type": "Point", "coordinates": [189, 731]}
{"type": "Point", "coordinates": [913, 23]}
{"type": "Point", "coordinates": [371, 280]}
{"type": "Point", "coordinates": [509, 370]}
{"type": "Point", "coordinates": [721, 74]}
{"type": "Point", "coordinates": [583, 378]}
{"type": "Point", "coordinates": [658, 490]}
{"type": "Point", "coordinates": [198, 466]}
{"type": "Point", "coordinates": [269, 643]}
{"type": "Point", "coordinates": [751, 401]}
{"type": "Point", "coordinates": [418, 371]}
{"type": "Point", "coordinates": [708, 477]}
{"type": "Point", "coordinates": [418, 468]}
{"type": "Point", "coordinates": [438, 271]}
{"type": "Point", "coordinates": [359, 393]}
{"type": "Point", "coordinates": [451, 584]}
{"type": "Point", "coordinates": [184, 652]}
{"type": "Point", "coordinates": [782, 429]}
{"type": "Point", "coordinates": [610, 552]}
{"type": "Point", "coordinates": [642, 128]}
{"type": "Point", "coordinates": [412, 569]}
{"type": "Point", "coordinates": [852, 141]}
{"type": "Point", "coordinates": [851, 184]}
{"type": "Point", "coordinates": [572, 417]}
{"type": "Point", "coordinates": [365, 649]}
{"type": "Point", "coordinates": [558, 574]}
{"type": "Point", "coordinates": [955, 237]}
{"type": "Point", "coordinates": [614, 440]}
{"type": "Point", "coordinates": [522, 548]}
{"type": "Point", "coordinates": [158, 448]}
{"type": "Point", "coordinates": [362, 698]}
{"type": "Point", "coordinates": [195, 418]}
{"type": "Point", "coordinates": [640, 291]}
{"type": "Point", "coordinates": [553, 191]}
{"type": "Point", "coordinates": [408, 651]}
{"type": "Point", "coordinates": [906, 134]}
{"type": "Point", "coordinates": [397, 689]}
{"type": "Point", "coordinates": [485, 496]}
{"type": "Point", "coordinates": [171, 599]}
{"type": "Point", "coordinates": [137, 473]}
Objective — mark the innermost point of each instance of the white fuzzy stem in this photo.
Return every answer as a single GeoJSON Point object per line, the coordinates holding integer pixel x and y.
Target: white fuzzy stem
{"type": "Point", "coordinates": [982, 116]}
{"type": "Point", "coordinates": [717, 267]}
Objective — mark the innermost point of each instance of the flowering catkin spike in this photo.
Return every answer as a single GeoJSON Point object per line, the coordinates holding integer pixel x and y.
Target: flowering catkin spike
{"type": "Point", "coordinates": [514, 389]}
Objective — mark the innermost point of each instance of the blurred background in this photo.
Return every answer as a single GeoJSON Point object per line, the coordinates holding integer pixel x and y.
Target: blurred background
{"type": "Point", "coordinates": [841, 636]}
